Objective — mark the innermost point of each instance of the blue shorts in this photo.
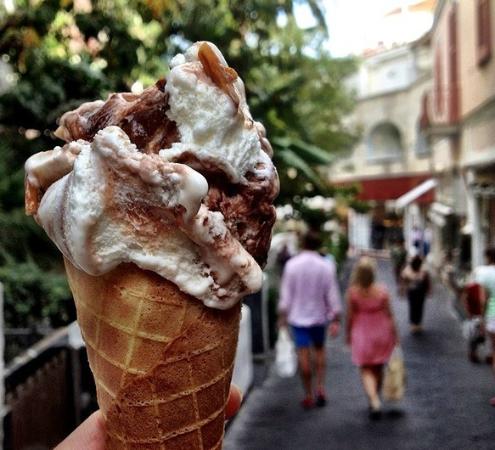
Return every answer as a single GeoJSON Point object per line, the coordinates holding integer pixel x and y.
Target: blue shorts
{"type": "Point", "coordinates": [309, 336]}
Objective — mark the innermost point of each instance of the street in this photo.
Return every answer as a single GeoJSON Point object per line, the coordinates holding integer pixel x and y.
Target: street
{"type": "Point", "coordinates": [445, 407]}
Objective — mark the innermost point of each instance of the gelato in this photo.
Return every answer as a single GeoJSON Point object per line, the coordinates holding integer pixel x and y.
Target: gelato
{"type": "Point", "coordinates": [177, 180]}
{"type": "Point", "coordinates": [161, 204]}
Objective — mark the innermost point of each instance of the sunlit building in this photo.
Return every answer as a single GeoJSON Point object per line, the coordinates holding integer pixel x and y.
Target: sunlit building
{"type": "Point", "coordinates": [461, 107]}
{"type": "Point", "coordinates": [391, 164]}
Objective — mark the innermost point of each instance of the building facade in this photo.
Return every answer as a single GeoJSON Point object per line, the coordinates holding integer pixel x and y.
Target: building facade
{"type": "Point", "coordinates": [461, 129]}
{"type": "Point", "coordinates": [393, 157]}
{"type": "Point", "coordinates": [427, 114]}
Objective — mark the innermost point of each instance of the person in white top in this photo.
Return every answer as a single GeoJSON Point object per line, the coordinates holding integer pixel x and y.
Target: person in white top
{"type": "Point", "coordinates": [485, 276]}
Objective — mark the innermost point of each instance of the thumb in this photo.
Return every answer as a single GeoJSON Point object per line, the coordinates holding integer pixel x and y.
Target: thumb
{"type": "Point", "coordinates": [90, 435]}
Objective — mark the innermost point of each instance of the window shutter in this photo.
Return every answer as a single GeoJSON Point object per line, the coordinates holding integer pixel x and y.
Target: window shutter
{"type": "Point", "coordinates": [453, 88]}
{"type": "Point", "coordinates": [483, 30]}
{"type": "Point", "coordinates": [438, 82]}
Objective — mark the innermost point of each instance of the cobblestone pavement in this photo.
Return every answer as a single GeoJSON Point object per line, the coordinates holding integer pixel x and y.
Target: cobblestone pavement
{"type": "Point", "coordinates": [446, 404]}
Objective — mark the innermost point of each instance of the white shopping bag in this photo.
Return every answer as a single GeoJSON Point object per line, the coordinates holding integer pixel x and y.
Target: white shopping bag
{"type": "Point", "coordinates": [285, 354]}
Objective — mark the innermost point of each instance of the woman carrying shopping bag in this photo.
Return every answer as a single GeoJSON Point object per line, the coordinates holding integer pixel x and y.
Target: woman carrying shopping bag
{"type": "Point", "coordinates": [371, 330]}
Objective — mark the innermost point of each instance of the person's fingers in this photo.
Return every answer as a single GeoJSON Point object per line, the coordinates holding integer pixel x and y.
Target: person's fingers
{"type": "Point", "coordinates": [90, 435]}
{"type": "Point", "coordinates": [233, 402]}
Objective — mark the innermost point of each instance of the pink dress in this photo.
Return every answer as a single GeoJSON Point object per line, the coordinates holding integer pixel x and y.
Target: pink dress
{"type": "Point", "coordinates": [372, 332]}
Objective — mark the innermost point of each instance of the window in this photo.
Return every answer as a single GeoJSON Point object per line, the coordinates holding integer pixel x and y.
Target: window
{"type": "Point", "coordinates": [384, 143]}
{"type": "Point", "coordinates": [453, 89]}
{"type": "Point", "coordinates": [422, 144]}
{"type": "Point", "coordinates": [438, 83]}
{"type": "Point", "coordinates": [483, 29]}
{"type": "Point", "coordinates": [424, 116]}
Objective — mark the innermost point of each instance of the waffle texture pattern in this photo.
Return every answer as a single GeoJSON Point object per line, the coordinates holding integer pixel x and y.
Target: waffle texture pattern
{"type": "Point", "coordinates": [161, 360]}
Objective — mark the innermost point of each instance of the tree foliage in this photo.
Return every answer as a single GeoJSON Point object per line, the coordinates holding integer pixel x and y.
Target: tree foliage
{"type": "Point", "coordinates": [64, 52]}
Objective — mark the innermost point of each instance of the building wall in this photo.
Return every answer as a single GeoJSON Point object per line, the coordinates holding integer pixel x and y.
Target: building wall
{"type": "Point", "coordinates": [477, 149]}
{"type": "Point", "coordinates": [478, 91]}
{"type": "Point", "coordinates": [400, 109]}
{"type": "Point", "coordinates": [442, 154]}
{"type": "Point", "coordinates": [478, 138]}
{"type": "Point", "coordinates": [443, 88]}
{"type": "Point", "coordinates": [393, 154]}
{"type": "Point", "coordinates": [386, 72]}
{"type": "Point", "coordinates": [478, 83]}
{"type": "Point", "coordinates": [463, 128]}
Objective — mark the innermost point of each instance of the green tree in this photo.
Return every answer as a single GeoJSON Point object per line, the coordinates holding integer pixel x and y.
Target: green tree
{"type": "Point", "coordinates": [65, 52]}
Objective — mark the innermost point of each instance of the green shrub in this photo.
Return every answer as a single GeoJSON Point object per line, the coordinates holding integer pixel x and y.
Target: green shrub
{"type": "Point", "coordinates": [33, 296]}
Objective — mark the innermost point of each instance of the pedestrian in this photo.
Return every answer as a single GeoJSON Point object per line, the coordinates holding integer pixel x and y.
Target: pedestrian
{"type": "Point", "coordinates": [472, 299]}
{"type": "Point", "coordinates": [417, 283]}
{"type": "Point", "coordinates": [450, 274]}
{"type": "Point", "coordinates": [427, 240]}
{"type": "Point", "coordinates": [371, 331]}
{"type": "Point", "coordinates": [310, 303]}
{"type": "Point", "coordinates": [485, 276]}
{"type": "Point", "coordinates": [467, 294]}
{"type": "Point", "coordinates": [417, 239]}
{"type": "Point", "coordinates": [399, 258]}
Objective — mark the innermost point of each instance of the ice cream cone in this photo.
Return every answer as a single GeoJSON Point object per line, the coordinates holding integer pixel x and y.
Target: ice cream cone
{"type": "Point", "coordinates": [177, 180]}
{"type": "Point", "coordinates": [162, 361]}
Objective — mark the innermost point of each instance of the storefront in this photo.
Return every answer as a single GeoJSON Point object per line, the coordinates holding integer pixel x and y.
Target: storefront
{"type": "Point", "coordinates": [398, 203]}
{"type": "Point", "coordinates": [480, 184]}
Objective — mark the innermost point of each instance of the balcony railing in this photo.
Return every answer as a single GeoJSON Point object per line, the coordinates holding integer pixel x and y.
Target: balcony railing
{"type": "Point", "coordinates": [49, 389]}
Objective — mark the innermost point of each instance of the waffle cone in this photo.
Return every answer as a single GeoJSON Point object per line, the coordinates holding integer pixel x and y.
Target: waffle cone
{"type": "Point", "coordinates": [162, 361]}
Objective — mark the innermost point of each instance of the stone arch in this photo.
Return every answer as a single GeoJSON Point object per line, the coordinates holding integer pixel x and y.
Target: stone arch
{"type": "Point", "coordinates": [384, 142]}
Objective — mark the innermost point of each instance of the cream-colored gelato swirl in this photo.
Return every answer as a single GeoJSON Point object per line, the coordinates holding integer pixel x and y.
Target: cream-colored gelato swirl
{"type": "Point", "coordinates": [112, 195]}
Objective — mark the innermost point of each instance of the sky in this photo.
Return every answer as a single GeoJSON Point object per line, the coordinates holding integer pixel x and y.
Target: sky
{"type": "Point", "coordinates": [352, 23]}
{"type": "Point", "coordinates": [355, 25]}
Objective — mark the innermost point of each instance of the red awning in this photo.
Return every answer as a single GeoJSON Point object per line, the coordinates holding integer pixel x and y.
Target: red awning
{"type": "Point", "coordinates": [381, 189]}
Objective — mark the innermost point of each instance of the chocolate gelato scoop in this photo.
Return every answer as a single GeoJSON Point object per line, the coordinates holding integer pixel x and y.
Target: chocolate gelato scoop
{"type": "Point", "coordinates": [247, 205]}
{"type": "Point", "coordinates": [177, 179]}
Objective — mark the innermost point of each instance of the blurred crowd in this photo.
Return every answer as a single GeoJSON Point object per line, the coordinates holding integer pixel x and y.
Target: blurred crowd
{"type": "Point", "coordinates": [310, 306]}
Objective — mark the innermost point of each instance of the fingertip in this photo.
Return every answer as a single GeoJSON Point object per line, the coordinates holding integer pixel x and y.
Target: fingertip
{"type": "Point", "coordinates": [98, 418]}
{"type": "Point", "coordinates": [89, 435]}
{"type": "Point", "coordinates": [236, 391]}
{"type": "Point", "coordinates": [233, 402]}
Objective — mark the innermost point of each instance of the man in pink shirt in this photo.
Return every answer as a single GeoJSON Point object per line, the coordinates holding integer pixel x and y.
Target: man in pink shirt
{"type": "Point", "coordinates": [310, 302]}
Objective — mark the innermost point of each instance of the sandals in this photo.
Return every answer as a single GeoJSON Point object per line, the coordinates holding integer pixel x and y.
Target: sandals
{"type": "Point", "coordinates": [374, 413]}
{"type": "Point", "coordinates": [307, 403]}
{"type": "Point", "coordinates": [321, 399]}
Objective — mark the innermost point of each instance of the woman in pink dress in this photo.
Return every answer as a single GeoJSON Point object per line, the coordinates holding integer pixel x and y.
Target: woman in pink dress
{"type": "Point", "coordinates": [371, 330]}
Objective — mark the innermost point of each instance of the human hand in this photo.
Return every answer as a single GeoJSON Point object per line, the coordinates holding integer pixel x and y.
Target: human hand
{"type": "Point", "coordinates": [282, 320]}
{"type": "Point", "coordinates": [90, 435]}
{"type": "Point", "coordinates": [334, 328]}
{"type": "Point", "coordinates": [233, 402]}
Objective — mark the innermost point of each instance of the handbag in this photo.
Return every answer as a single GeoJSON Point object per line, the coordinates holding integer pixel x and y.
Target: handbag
{"type": "Point", "coordinates": [285, 354]}
{"type": "Point", "coordinates": [472, 330]}
{"type": "Point", "coordinates": [394, 382]}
